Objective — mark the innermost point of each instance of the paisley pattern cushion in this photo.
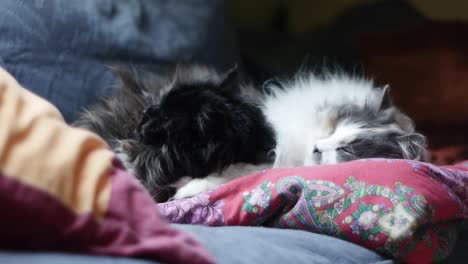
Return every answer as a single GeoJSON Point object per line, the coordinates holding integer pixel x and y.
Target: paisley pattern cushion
{"type": "Point", "coordinates": [402, 209]}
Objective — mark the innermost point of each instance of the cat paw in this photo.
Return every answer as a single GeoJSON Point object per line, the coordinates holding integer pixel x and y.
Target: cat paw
{"type": "Point", "coordinates": [192, 188]}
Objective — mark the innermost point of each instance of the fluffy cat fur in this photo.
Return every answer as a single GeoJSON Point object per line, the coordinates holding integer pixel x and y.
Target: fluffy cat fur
{"type": "Point", "coordinates": [190, 121]}
{"type": "Point", "coordinates": [336, 118]}
{"type": "Point", "coordinates": [205, 125]}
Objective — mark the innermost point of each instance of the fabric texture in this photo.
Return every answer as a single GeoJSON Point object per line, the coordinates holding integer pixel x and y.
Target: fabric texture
{"type": "Point", "coordinates": [402, 209]}
{"type": "Point", "coordinates": [63, 190]}
{"type": "Point", "coordinates": [238, 245]}
{"type": "Point", "coordinates": [60, 49]}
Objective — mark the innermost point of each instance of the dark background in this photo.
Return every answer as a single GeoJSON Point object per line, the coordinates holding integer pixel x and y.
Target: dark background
{"type": "Point", "coordinates": [420, 48]}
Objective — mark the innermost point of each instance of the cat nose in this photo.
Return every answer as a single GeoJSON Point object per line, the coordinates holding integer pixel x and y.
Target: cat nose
{"type": "Point", "coordinates": [316, 156]}
{"type": "Point", "coordinates": [316, 150]}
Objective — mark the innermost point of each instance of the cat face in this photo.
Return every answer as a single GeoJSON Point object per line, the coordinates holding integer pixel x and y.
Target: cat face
{"type": "Point", "coordinates": [351, 142]}
{"type": "Point", "coordinates": [368, 132]}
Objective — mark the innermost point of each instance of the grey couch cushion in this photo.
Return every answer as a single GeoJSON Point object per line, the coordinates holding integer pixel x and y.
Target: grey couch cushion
{"type": "Point", "coordinates": [248, 245]}
{"type": "Point", "coordinates": [59, 48]}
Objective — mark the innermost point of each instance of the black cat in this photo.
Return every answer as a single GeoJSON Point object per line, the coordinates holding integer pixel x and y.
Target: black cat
{"type": "Point", "coordinates": [191, 121]}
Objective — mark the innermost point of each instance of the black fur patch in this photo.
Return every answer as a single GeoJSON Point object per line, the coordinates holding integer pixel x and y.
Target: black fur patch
{"type": "Point", "coordinates": [200, 125]}
{"type": "Point", "coordinates": [204, 127]}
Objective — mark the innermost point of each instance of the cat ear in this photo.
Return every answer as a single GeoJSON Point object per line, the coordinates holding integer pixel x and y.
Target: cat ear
{"type": "Point", "coordinates": [230, 78]}
{"type": "Point", "coordinates": [404, 122]}
{"type": "Point", "coordinates": [413, 146]}
{"type": "Point", "coordinates": [385, 100]}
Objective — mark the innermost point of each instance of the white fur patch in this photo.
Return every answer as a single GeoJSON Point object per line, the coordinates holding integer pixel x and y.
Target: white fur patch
{"type": "Point", "coordinates": [301, 119]}
{"type": "Point", "coordinates": [197, 186]}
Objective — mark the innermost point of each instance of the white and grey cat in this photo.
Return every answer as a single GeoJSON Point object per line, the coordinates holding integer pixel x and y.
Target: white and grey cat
{"type": "Point", "coordinates": [327, 120]}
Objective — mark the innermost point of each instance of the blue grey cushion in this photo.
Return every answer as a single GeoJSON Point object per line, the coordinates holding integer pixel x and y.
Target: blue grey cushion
{"type": "Point", "coordinates": [60, 48]}
{"type": "Point", "coordinates": [238, 245]}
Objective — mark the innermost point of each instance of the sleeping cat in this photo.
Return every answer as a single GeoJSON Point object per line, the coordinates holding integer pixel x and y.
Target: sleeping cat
{"type": "Point", "coordinates": [188, 121]}
{"type": "Point", "coordinates": [337, 118]}
{"type": "Point", "coordinates": [194, 129]}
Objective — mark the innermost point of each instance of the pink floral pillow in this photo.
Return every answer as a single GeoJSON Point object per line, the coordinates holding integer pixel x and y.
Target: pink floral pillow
{"type": "Point", "coordinates": [399, 208]}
